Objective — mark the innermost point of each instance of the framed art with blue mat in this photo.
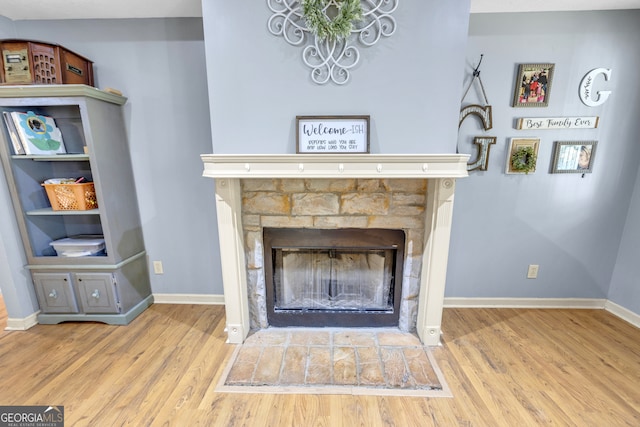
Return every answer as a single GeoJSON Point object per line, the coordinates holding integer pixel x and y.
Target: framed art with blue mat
{"type": "Point", "coordinates": [38, 133]}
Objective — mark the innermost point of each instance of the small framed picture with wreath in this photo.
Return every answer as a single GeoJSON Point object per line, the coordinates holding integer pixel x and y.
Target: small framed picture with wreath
{"type": "Point", "coordinates": [573, 156]}
{"type": "Point", "coordinates": [522, 155]}
{"type": "Point", "coordinates": [533, 85]}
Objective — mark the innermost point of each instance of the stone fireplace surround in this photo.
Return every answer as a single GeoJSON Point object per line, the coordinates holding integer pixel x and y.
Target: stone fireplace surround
{"type": "Point", "coordinates": [229, 171]}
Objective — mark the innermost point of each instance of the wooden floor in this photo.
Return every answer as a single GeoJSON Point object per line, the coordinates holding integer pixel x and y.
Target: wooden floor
{"type": "Point", "coordinates": [505, 367]}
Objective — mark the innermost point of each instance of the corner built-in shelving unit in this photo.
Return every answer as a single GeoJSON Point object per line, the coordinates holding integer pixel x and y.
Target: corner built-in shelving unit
{"type": "Point", "coordinates": [112, 287]}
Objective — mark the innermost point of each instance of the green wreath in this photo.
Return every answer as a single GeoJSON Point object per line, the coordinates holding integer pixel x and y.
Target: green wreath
{"type": "Point", "coordinates": [319, 23]}
{"type": "Point", "coordinates": [524, 159]}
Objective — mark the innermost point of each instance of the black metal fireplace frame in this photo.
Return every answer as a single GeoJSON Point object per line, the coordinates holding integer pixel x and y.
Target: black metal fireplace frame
{"type": "Point", "coordinates": [343, 238]}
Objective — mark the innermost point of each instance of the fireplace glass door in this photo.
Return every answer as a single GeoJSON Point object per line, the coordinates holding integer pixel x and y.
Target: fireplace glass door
{"type": "Point", "coordinates": [348, 277]}
{"type": "Point", "coordinates": [333, 279]}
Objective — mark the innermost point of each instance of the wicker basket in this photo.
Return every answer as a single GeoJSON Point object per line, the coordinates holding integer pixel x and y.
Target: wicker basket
{"type": "Point", "coordinates": [67, 197]}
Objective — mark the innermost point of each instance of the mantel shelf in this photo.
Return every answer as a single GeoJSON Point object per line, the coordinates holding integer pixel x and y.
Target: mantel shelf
{"type": "Point", "coordinates": [335, 166]}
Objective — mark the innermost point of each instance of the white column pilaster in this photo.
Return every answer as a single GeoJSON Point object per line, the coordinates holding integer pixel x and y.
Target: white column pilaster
{"type": "Point", "coordinates": [232, 257]}
{"type": "Point", "coordinates": [434, 259]}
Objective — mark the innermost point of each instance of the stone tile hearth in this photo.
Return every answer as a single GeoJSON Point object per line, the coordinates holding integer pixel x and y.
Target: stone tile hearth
{"type": "Point", "coordinates": [333, 359]}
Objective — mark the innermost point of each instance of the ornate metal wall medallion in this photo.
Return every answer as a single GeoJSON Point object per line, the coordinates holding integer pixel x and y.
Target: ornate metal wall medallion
{"type": "Point", "coordinates": [331, 58]}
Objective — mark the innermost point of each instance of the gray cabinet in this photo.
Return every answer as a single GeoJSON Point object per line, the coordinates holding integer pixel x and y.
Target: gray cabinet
{"type": "Point", "coordinates": [112, 287]}
{"type": "Point", "coordinates": [77, 292]}
{"type": "Point", "coordinates": [97, 292]}
{"type": "Point", "coordinates": [55, 292]}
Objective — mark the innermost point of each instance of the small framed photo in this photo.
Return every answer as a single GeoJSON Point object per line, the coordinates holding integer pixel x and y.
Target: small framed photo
{"type": "Point", "coordinates": [522, 155]}
{"type": "Point", "coordinates": [332, 134]}
{"type": "Point", "coordinates": [573, 156]}
{"type": "Point", "coordinates": [533, 85]}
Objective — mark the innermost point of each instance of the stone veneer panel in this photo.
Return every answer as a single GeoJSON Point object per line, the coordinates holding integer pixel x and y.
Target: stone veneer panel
{"type": "Point", "coordinates": [329, 204]}
{"type": "Point", "coordinates": [318, 204]}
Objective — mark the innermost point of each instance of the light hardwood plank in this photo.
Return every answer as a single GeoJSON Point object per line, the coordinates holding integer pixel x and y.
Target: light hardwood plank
{"type": "Point", "coordinates": [3, 315]}
{"type": "Point", "coordinates": [504, 367]}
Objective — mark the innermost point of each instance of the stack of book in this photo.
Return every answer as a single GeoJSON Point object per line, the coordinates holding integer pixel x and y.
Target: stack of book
{"type": "Point", "coordinates": [33, 134]}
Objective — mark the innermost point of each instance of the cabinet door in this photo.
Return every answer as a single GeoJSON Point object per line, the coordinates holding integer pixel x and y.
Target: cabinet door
{"type": "Point", "coordinates": [97, 292]}
{"type": "Point", "coordinates": [55, 292]}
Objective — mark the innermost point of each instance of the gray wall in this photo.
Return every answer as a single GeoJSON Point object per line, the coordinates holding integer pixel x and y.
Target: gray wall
{"type": "Point", "coordinates": [580, 230]}
{"type": "Point", "coordinates": [569, 225]}
{"type": "Point", "coordinates": [409, 83]}
{"type": "Point", "coordinates": [625, 284]}
{"type": "Point", "coordinates": [15, 282]}
{"type": "Point", "coordinates": [159, 65]}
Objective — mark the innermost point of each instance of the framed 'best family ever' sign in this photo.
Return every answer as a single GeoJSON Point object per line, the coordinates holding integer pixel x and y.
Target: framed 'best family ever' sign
{"type": "Point", "coordinates": [332, 134]}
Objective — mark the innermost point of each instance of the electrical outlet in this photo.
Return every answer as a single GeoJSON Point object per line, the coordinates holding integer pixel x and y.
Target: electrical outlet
{"type": "Point", "coordinates": [532, 273]}
{"type": "Point", "coordinates": [157, 267]}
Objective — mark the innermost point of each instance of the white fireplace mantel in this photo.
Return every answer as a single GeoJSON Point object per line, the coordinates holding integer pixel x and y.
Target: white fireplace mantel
{"type": "Point", "coordinates": [335, 166]}
{"type": "Point", "coordinates": [440, 170]}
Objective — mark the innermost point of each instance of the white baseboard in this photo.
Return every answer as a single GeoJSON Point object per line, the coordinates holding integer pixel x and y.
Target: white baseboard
{"type": "Point", "coordinates": [14, 324]}
{"type": "Point", "coordinates": [592, 303]}
{"type": "Point", "coordinates": [525, 302]}
{"type": "Point", "coordinates": [206, 299]}
{"type": "Point", "coordinates": [623, 313]}
{"type": "Point", "coordinates": [588, 303]}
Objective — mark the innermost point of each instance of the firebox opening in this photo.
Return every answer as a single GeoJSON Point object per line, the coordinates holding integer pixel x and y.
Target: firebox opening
{"type": "Point", "coordinates": [338, 277]}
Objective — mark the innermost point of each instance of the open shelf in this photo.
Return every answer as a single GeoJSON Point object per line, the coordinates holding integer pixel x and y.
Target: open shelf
{"type": "Point", "coordinates": [47, 158]}
{"type": "Point", "coordinates": [50, 211]}
{"type": "Point", "coordinates": [113, 286]}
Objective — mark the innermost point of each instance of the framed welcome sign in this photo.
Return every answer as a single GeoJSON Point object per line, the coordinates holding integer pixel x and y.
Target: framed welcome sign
{"type": "Point", "coordinates": [332, 134]}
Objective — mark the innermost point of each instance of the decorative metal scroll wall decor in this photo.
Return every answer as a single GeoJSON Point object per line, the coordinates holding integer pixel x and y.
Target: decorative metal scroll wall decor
{"type": "Point", "coordinates": [332, 59]}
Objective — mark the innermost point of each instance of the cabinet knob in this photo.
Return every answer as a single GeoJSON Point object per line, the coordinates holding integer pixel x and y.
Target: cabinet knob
{"type": "Point", "coordinates": [96, 294]}
{"type": "Point", "coordinates": [53, 294]}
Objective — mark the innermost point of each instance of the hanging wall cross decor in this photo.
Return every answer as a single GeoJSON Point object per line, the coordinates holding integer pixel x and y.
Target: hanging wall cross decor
{"type": "Point", "coordinates": [328, 31]}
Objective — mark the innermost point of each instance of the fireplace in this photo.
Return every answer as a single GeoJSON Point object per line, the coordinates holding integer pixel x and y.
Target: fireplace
{"type": "Point", "coordinates": [337, 277]}
{"type": "Point", "coordinates": [412, 193]}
